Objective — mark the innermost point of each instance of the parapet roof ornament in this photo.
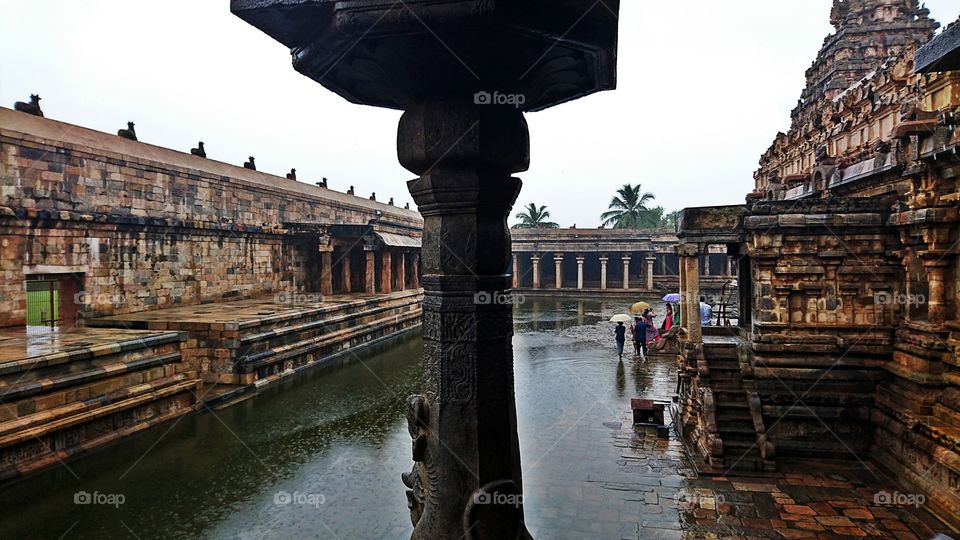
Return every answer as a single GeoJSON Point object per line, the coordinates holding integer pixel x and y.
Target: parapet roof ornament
{"type": "Point", "coordinates": [393, 54]}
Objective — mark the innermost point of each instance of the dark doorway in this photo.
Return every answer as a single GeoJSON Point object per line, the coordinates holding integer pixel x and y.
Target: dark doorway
{"type": "Point", "coordinates": [52, 302]}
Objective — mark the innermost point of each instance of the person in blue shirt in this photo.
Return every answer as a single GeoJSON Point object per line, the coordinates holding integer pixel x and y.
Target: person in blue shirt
{"type": "Point", "coordinates": [642, 327]}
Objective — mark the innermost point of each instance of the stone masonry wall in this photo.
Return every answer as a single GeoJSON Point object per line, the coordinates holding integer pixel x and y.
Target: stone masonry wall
{"type": "Point", "coordinates": [149, 227]}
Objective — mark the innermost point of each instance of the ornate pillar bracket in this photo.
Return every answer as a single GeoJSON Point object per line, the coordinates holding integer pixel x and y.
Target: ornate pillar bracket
{"type": "Point", "coordinates": [464, 423]}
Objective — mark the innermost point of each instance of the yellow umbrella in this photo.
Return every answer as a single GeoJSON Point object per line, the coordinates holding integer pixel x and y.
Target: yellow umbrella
{"type": "Point", "coordinates": [639, 307]}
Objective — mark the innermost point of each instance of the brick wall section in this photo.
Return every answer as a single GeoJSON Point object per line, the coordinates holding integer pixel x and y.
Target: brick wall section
{"type": "Point", "coordinates": [150, 227]}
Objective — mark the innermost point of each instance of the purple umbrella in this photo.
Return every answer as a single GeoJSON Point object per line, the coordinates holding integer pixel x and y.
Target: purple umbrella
{"type": "Point", "coordinates": [673, 297]}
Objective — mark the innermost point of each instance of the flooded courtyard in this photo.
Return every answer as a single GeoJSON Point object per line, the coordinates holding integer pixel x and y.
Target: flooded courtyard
{"type": "Point", "coordinates": [320, 456]}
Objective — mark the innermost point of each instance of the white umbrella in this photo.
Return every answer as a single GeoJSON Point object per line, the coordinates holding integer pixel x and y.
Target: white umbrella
{"type": "Point", "coordinates": [621, 318]}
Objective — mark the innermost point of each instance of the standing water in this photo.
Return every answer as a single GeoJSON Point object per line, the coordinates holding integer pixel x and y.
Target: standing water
{"type": "Point", "coordinates": [320, 456]}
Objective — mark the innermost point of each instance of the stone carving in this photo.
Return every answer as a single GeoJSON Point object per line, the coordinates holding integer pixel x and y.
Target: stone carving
{"type": "Point", "coordinates": [418, 423]}
{"type": "Point", "coordinates": [199, 150]}
{"type": "Point", "coordinates": [129, 133]}
{"type": "Point", "coordinates": [292, 175]}
{"type": "Point", "coordinates": [30, 108]}
{"type": "Point", "coordinates": [250, 164]}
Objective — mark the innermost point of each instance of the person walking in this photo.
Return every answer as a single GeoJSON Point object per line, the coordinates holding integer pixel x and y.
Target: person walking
{"type": "Point", "coordinates": [621, 333]}
{"type": "Point", "coordinates": [641, 329]}
{"type": "Point", "coordinates": [653, 335]}
{"type": "Point", "coordinates": [633, 335]}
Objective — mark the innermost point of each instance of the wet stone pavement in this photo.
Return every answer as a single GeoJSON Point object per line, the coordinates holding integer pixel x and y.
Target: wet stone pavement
{"type": "Point", "coordinates": [589, 474]}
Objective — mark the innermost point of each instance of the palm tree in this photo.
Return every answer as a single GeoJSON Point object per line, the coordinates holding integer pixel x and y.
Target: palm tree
{"type": "Point", "coordinates": [628, 208]}
{"type": "Point", "coordinates": [534, 218]}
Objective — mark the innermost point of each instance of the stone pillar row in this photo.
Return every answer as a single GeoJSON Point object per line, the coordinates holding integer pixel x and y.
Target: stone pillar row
{"type": "Point", "coordinates": [390, 280]}
{"type": "Point", "coordinates": [649, 259]}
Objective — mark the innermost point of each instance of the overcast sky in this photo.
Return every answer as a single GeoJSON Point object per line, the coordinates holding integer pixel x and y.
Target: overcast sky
{"type": "Point", "coordinates": [704, 86]}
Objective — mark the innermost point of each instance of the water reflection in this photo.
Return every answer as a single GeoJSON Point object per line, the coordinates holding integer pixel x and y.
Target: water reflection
{"type": "Point", "coordinates": [340, 434]}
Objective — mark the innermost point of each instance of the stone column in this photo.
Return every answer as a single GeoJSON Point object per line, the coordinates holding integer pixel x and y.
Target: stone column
{"type": "Point", "coordinates": [516, 271]}
{"type": "Point", "coordinates": [580, 260]}
{"type": "Point", "coordinates": [386, 272]}
{"type": "Point", "coordinates": [535, 259]}
{"type": "Point", "coordinates": [650, 261]}
{"type": "Point", "coordinates": [402, 272]}
{"type": "Point", "coordinates": [936, 288]}
{"type": "Point", "coordinates": [345, 280]}
{"type": "Point", "coordinates": [464, 423]}
{"type": "Point", "coordinates": [706, 264]}
{"type": "Point", "coordinates": [370, 273]}
{"type": "Point", "coordinates": [415, 271]}
{"type": "Point", "coordinates": [326, 271]}
{"type": "Point", "coordinates": [729, 268]}
{"type": "Point", "coordinates": [690, 299]}
{"type": "Point", "coordinates": [626, 272]}
{"type": "Point", "coordinates": [558, 262]}
{"type": "Point", "coordinates": [603, 272]}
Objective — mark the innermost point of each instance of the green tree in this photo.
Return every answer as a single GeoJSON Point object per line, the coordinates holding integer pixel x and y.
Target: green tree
{"type": "Point", "coordinates": [534, 217]}
{"type": "Point", "coordinates": [628, 209]}
{"type": "Point", "coordinates": [669, 221]}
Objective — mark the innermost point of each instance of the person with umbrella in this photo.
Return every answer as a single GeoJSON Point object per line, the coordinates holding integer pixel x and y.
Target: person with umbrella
{"type": "Point", "coordinates": [620, 332]}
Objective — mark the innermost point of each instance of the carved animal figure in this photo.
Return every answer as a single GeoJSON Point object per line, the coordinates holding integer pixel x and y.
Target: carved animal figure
{"type": "Point", "coordinates": [350, 191]}
{"type": "Point", "coordinates": [373, 196]}
{"type": "Point", "coordinates": [199, 151]}
{"type": "Point", "coordinates": [323, 183]}
{"type": "Point", "coordinates": [252, 165]}
{"type": "Point", "coordinates": [30, 108]}
{"type": "Point", "coordinates": [406, 206]}
{"type": "Point", "coordinates": [391, 201]}
{"type": "Point", "coordinates": [292, 175]}
{"type": "Point", "coordinates": [128, 133]}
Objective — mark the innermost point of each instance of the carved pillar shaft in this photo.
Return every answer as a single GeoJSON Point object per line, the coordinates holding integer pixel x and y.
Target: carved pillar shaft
{"type": "Point", "coordinates": [345, 278]}
{"type": "Point", "coordinates": [936, 306]}
{"type": "Point", "coordinates": [326, 273]}
{"type": "Point", "coordinates": [402, 272]}
{"type": "Point", "coordinates": [580, 272]}
{"type": "Point", "coordinates": [690, 279]}
{"type": "Point", "coordinates": [386, 272]}
{"type": "Point", "coordinates": [626, 273]}
{"type": "Point", "coordinates": [415, 271]}
{"type": "Point", "coordinates": [603, 272]}
{"type": "Point", "coordinates": [558, 263]}
{"type": "Point", "coordinates": [650, 261]}
{"type": "Point", "coordinates": [536, 270]}
{"type": "Point", "coordinates": [464, 423]}
{"type": "Point", "coordinates": [516, 271]}
{"type": "Point", "coordinates": [370, 272]}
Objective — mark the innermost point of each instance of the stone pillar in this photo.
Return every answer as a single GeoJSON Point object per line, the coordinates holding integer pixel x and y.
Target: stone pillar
{"type": "Point", "coordinates": [558, 262]}
{"type": "Point", "coordinates": [650, 261]}
{"type": "Point", "coordinates": [464, 422]}
{"type": "Point", "coordinates": [345, 280]}
{"type": "Point", "coordinates": [626, 272]}
{"type": "Point", "coordinates": [370, 272]}
{"type": "Point", "coordinates": [729, 268]}
{"type": "Point", "coordinates": [603, 272]}
{"type": "Point", "coordinates": [936, 288]}
{"type": "Point", "coordinates": [516, 271]}
{"type": "Point", "coordinates": [690, 299]}
{"type": "Point", "coordinates": [402, 272]}
{"type": "Point", "coordinates": [580, 260]}
{"type": "Point", "coordinates": [326, 271]}
{"type": "Point", "coordinates": [386, 272]}
{"type": "Point", "coordinates": [706, 264]}
{"type": "Point", "coordinates": [535, 259]}
{"type": "Point", "coordinates": [415, 270]}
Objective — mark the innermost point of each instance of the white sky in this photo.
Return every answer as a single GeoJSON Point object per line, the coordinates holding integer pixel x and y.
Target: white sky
{"type": "Point", "coordinates": [704, 86]}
